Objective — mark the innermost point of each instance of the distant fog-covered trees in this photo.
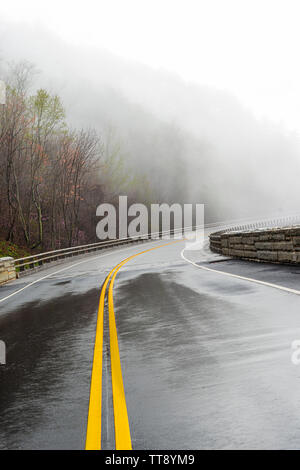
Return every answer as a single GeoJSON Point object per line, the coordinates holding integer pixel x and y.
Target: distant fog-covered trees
{"type": "Point", "coordinates": [52, 177]}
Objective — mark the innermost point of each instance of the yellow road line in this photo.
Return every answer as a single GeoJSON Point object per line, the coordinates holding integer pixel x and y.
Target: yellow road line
{"type": "Point", "coordinates": [93, 435]}
{"type": "Point", "coordinates": [122, 428]}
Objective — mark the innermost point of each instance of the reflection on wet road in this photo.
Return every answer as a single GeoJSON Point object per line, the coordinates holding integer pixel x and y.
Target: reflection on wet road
{"type": "Point", "coordinates": [201, 369]}
{"type": "Point", "coordinates": [48, 351]}
{"type": "Point", "coordinates": [206, 359]}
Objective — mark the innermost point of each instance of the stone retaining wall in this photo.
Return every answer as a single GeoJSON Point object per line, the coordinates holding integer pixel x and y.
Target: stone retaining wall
{"type": "Point", "coordinates": [7, 269]}
{"type": "Point", "coordinates": [277, 245]}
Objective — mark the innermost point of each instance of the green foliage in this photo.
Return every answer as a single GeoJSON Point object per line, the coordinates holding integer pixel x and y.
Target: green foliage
{"type": "Point", "coordinates": [10, 249]}
{"type": "Point", "coordinates": [48, 112]}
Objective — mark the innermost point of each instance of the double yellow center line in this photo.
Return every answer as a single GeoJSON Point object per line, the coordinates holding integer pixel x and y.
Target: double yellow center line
{"type": "Point", "coordinates": [122, 429]}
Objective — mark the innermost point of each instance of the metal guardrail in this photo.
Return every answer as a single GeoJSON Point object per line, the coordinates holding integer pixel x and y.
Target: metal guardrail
{"type": "Point", "coordinates": [34, 261]}
{"type": "Point", "coordinates": [263, 223]}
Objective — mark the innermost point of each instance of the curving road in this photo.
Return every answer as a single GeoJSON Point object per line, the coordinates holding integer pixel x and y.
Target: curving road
{"type": "Point", "coordinates": [205, 356]}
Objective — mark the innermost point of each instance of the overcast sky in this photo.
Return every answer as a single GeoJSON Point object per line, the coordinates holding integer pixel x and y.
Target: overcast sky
{"type": "Point", "coordinates": [249, 47]}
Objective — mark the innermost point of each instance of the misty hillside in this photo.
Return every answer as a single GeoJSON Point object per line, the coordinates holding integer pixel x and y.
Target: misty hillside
{"type": "Point", "coordinates": [193, 143]}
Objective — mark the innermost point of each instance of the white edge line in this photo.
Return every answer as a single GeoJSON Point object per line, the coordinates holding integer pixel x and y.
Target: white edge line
{"type": "Point", "coordinates": [268, 284]}
{"type": "Point", "coordinates": [64, 269]}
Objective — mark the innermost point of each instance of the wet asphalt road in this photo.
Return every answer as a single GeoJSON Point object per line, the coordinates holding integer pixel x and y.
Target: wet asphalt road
{"type": "Point", "coordinates": [206, 358]}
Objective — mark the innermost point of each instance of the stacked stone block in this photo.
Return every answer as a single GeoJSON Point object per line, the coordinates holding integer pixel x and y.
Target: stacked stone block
{"type": "Point", "coordinates": [7, 269]}
{"type": "Point", "coordinates": [277, 245]}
